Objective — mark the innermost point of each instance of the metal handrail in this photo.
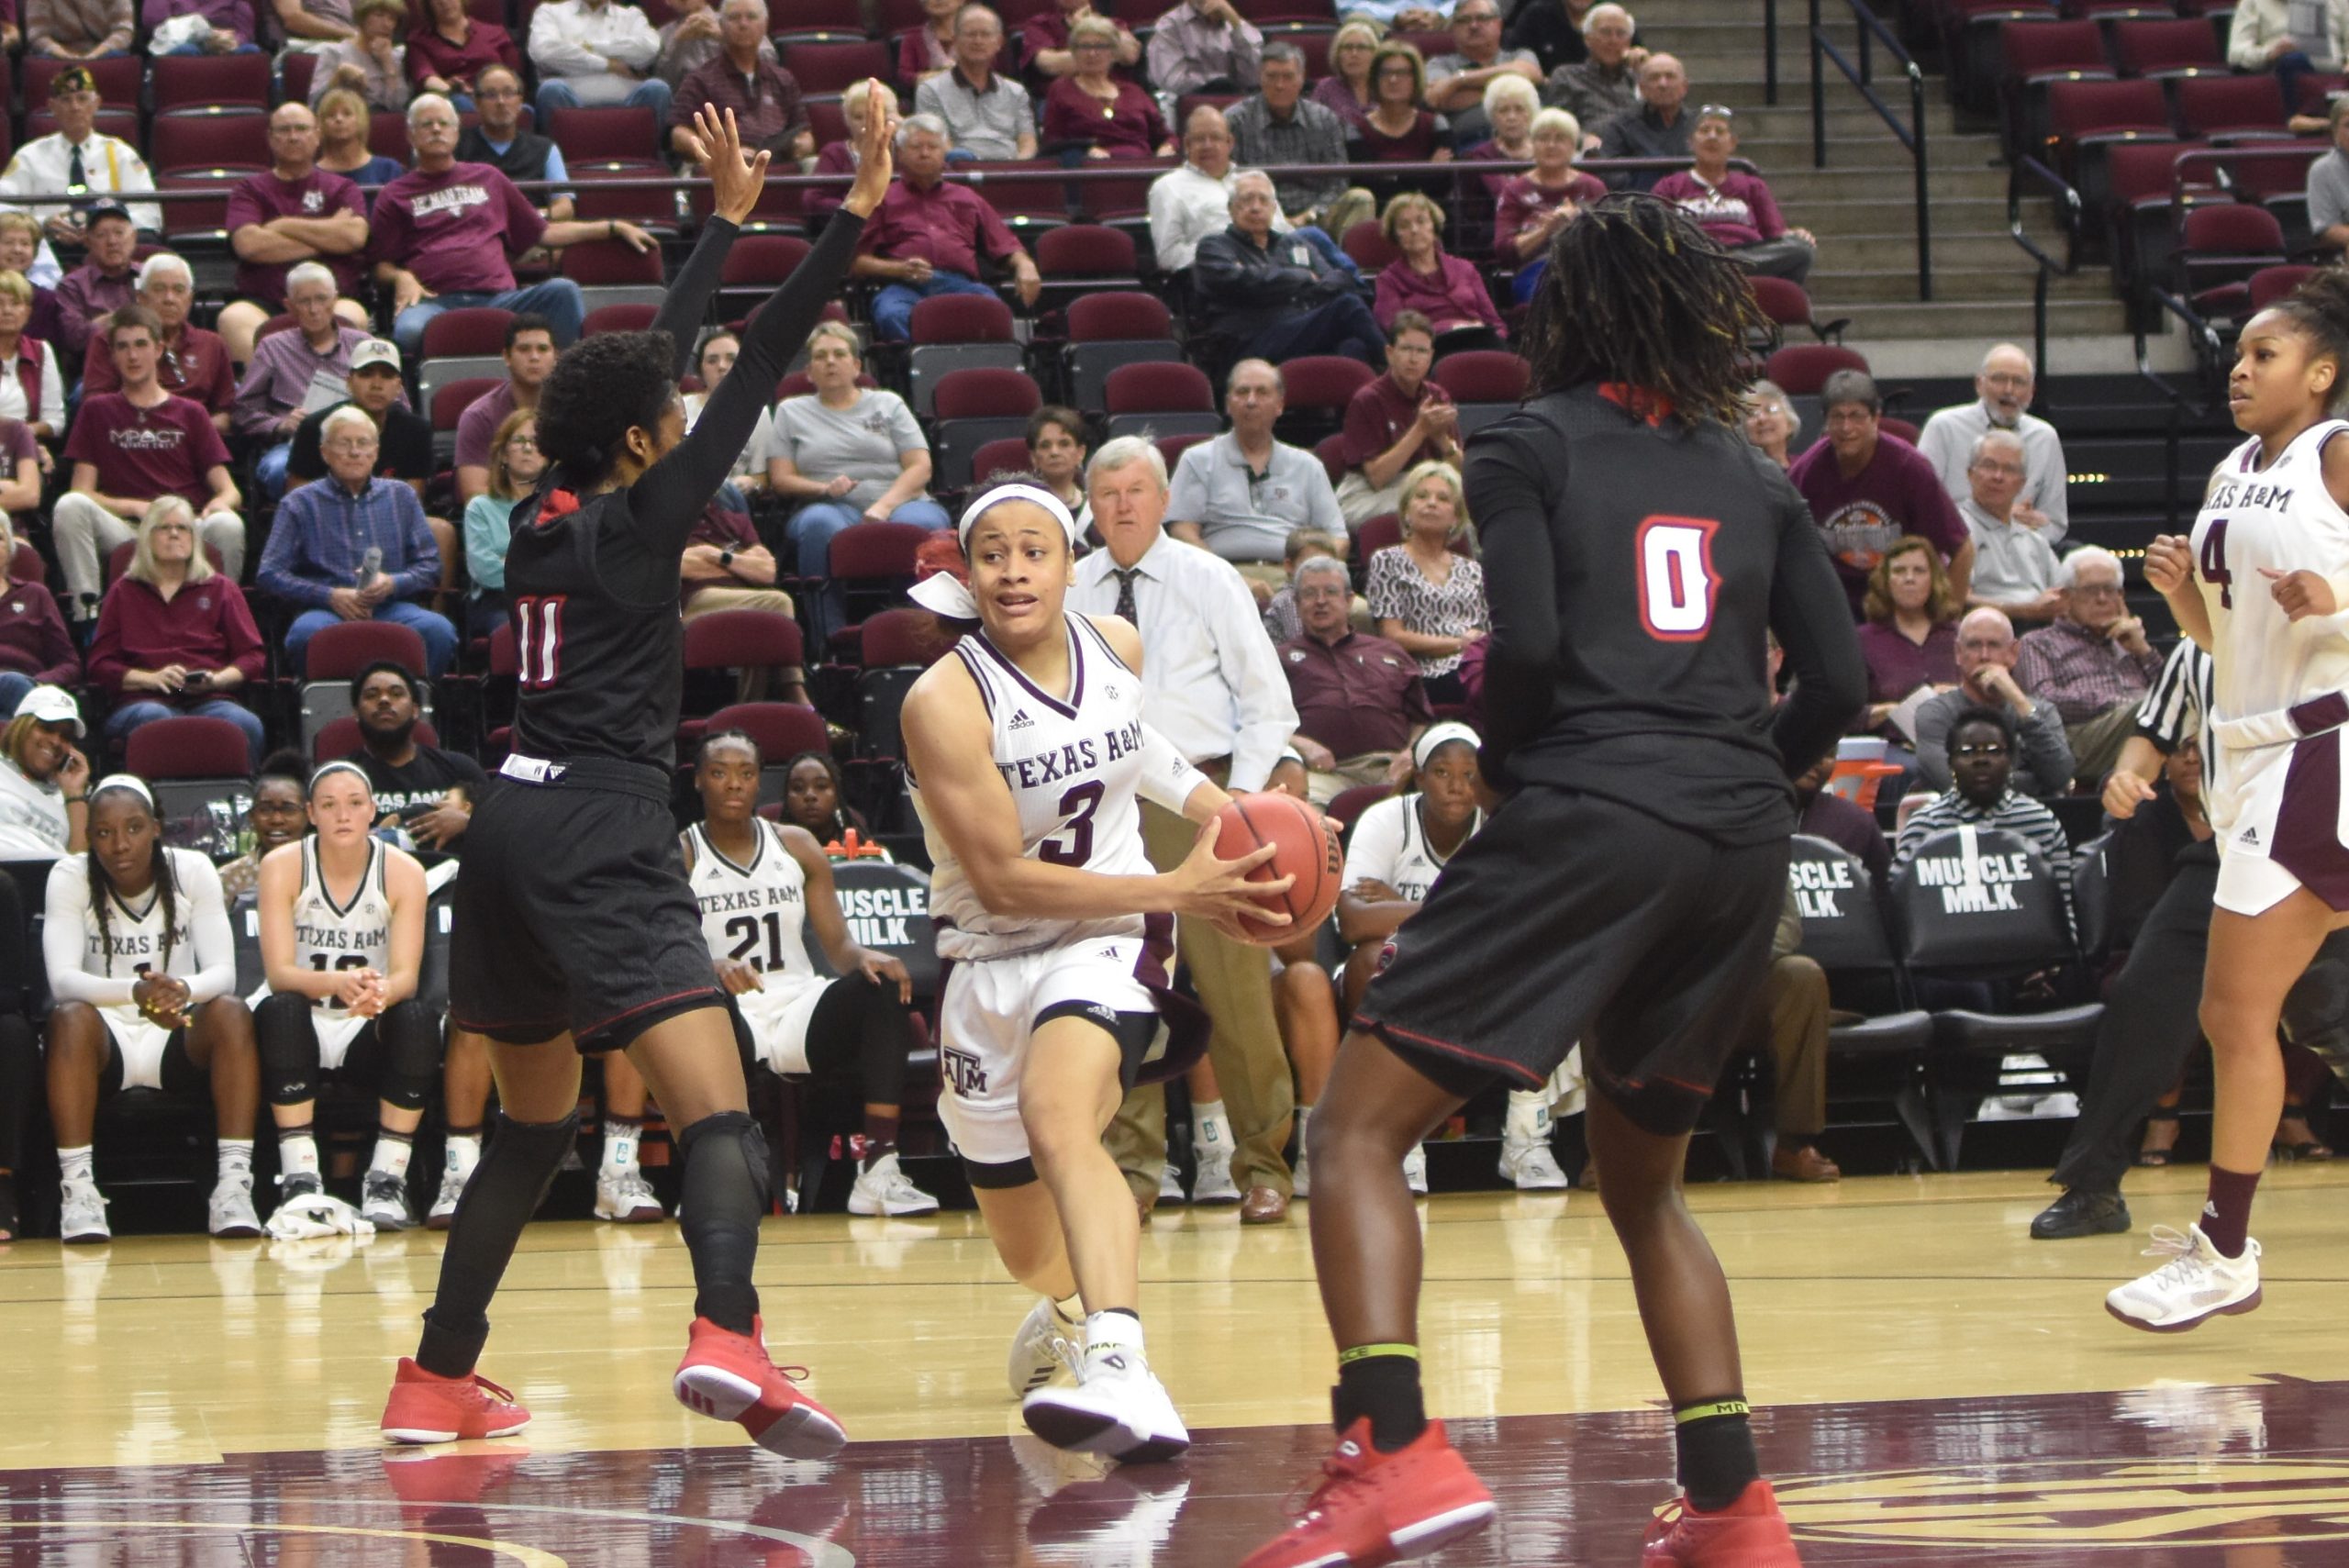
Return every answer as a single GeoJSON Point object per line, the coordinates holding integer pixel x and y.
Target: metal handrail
{"type": "Point", "coordinates": [2074, 217]}
{"type": "Point", "coordinates": [1911, 136]}
{"type": "Point", "coordinates": [1770, 53]}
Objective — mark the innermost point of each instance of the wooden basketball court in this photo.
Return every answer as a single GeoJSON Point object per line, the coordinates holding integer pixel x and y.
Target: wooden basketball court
{"type": "Point", "coordinates": [1936, 1388]}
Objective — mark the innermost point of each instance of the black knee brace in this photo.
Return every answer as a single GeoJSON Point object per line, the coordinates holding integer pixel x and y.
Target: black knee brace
{"type": "Point", "coordinates": [411, 1041]}
{"type": "Point", "coordinates": [287, 1041]}
{"type": "Point", "coordinates": [727, 1192]}
{"type": "Point", "coordinates": [517, 1166]}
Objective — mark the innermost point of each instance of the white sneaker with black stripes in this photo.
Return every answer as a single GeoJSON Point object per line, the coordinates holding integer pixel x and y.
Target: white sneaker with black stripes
{"type": "Point", "coordinates": [1118, 1409]}
{"type": "Point", "coordinates": [1046, 1342]}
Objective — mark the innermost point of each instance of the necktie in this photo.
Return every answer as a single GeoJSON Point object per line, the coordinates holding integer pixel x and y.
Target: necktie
{"type": "Point", "coordinates": [76, 180]}
{"type": "Point", "coordinates": [1126, 575]}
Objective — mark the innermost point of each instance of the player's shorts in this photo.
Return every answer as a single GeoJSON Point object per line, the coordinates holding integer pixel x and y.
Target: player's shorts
{"type": "Point", "coordinates": [990, 1009]}
{"type": "Point", "coordinates": [1568, 917]}
{"type": "Point", "coordinates": [145, 1055]}
{"type": "Point", "coordinates": [778, 1014]}
{"type": "Point", "coordinates": [573, 912]}
{"type": "Point", "coordinates": [335, 1030]}
{"type": "Point", "coordinates": [2277, 813]}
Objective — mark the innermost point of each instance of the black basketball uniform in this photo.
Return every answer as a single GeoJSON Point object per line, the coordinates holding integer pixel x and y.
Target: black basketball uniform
{"type": "Point", "coordinates": [574, 911]}
{"type": "Point", "coordinates": [1625, 896]}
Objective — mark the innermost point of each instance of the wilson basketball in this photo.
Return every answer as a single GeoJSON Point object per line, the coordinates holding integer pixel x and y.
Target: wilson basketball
{"type": "Point", "coordinates": [1301, 848]}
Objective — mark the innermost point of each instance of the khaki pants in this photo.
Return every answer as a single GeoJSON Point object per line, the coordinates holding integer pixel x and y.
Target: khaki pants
{"type": "Point", "coordinates": [1370, 768]}
{"type": "Point", "coordinates": [1795, 996]}
{"type": "Point", "coordinates": [752, 685]}
{"type": "Point", "coordinates": [86, 533]}
{"type": "Point", "coordinates": [1235, 985]}
{"type": "Point", "coordinates": [2095, 743]}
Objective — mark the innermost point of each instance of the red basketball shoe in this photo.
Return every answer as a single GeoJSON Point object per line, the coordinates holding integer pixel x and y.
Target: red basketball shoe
{"type": "Point", "coordinates": [1373, 1507]}
{"type": "Point", "coordinates": [428, 1409]}
{"type": "Point", "coordinates": [1749, 1533]}
{"type": "Point", "coordinates": [728, 1375]}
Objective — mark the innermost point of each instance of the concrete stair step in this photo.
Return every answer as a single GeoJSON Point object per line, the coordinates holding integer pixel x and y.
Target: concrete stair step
{"type": "Point", "coordinates": [1896, 279]}
{"type": "Point", "coordinates": [1977, 320]}
{"type": "Point", "coordinates": [1797, 186]}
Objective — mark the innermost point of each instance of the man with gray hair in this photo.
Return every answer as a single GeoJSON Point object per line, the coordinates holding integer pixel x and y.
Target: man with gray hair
{"type": "Point", "coordinates": [295, 372]}
{"type": "Point", "coordinates": [1867, 489]}
{"type": "Point", "coordinates": [1605, 82]}
{"type": "Point", "coordinates": [1360, 703]}
{"type": "Point", "coordinates": [2003, 386]}
{"type": "Point", "coordinates": [1274, 294]}
{"type": "Point", "coordinates": [2014, 568]}
{"type": "Point", "coordinates": [1279, 127]}
{"type": "Point", "coordinates": [2093, 664]}
{"type": "Point", "coordinates": [927, 236]}
{"type": "Point", "coordinates": [987, 114]}
{"type": "Point", "coordinates": [1242, 493]}
{"type": "Point", "coordinates": [743, 76]}
{"type": "Point", "coordinates": [195, 363]}
{"type": "Point", "coordinates": [1214, 690]}
{"type": "Point", "coordinates": [1986, 660]}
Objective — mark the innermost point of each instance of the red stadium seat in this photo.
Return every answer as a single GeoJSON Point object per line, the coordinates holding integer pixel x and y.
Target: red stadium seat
{"type": "Point", "coordinates": [1786, 304]}
{"type": "Point", "coordinates": [2038, 54]}
{"type": "Point", "coordinates": [1320, 387]}
{"type": "Point", "coordinates": [339, 737]}
{"type": "Point", "coordinates": [972, 408]}
{"type": "Point", "coordinates": [1902, 427]}
{"type": "Point", "coordinates": [811, 18]}
{"type": "Point", "coordinates": [2086, 119]}
{"type": "Point", "coordinates": [619, 134]}
{"type": "Point", "coordinates": [781, 730]}
{"type": "Point", "coordinates": [2220, 247]}
{"type": "Point", "coordinates": [301, 70]}
{"type": "Point", "coordinates": [902, 635]}
{"type": "Point", "coordinates": [867, 550]}
{"type": "Point", "coordinates": [1006, 454]}
{"type": "Point", "coordinates": [2165, 48]}
{"type": "Point", "coordinates": [1802, 370]}
{"type": "Point", "coordinates": [1483, 375]}
{"type": "Point", "coordinates": [1082, 260]}
{"type": "Point", "coordinates": [1376, 534]}
{"type": "Point", "coordinates": [387, 134]}
{"type": "Point", "coordinates": [961, 319]}
{"type": "Point", "coordinates": [187, 747]}
{"type": "Point", "coordinates": [209, 142]}
{"type": "Point", "coordinates": [1171, 447]}
{"type": "Point", "coordinates": [118, 79]}
{"type": "Point", "coordinates": [1348, 806]}
{"type": "Point", "coordinates": [342, 650]}
{"type": "Point", "coordinates": [2267, 286]}
{"type": "Point", "coordinates": [26, 564]}
{"type": "Point", "coordinates": [1365, 242]}
{"type": "Point", "coordinates": [741, 639]}
{"type": "Point", "coordinates": [204, 85]}
{"type": "Point", "coordinates": [620, 318]}
{"type": "Point", "coordinates": [1331, 451]}
{"type": "Point", "coordinates": [1106, 331]}
{"type": "Point", "coordinates": [466, 332]}
{"type": "Point", "coordinates": [611, 262]}
{"type": "Point", "coordinates": [2231, 108]}
{"type": "Point", "coordinates": [1160, 398]}
{"type": "Point", "coordinates": [835, 67]}
{"type": "Point", "coordinates": [755, 264]}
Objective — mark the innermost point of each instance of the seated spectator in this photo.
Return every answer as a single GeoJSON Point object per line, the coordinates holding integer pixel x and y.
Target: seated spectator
{"type": "Point", "coordinates": [1090, 113]}
{"type": "Point", "coordinates": [295, 372]}
{"type": "Point", "coordinates": [2004, 384]}
{"type": "Point", "coordinates": [1242, 493]}
{"type": "Point", "coordinates": [2092, 665]}
{"type": "Point", "coordinates": [130, 448]}
{"type": "Point", "coordinates": [848, 454]}
{"type": "Point", "coordinates": [1794, 1009]}
{"type": "Point", "coordinates": [987, 114]}
{"type": "Point", "coordinates": [1190, 203]}
{"type": "Point", "coordinates": [926, 237]}
{"type": "Point", "coordinates": [449, 51]}
{"type": "Point", "coordinates": [743, 76]}
{"type": "Point", "coordinates": [311, 25]}
{"type": "Point", "coordinates": [1398, 422]}
{"type": "Point", "coordinates": [43, 776]}
{"type": "Point", "coordinates": [89, 29]}
{"type": "Point", "coordinates": [1770, 423]}
{"type": "Point", "coordinates": [498, 140]}
{"type": "Point", "coordinates": [32, 389]}
{"type": "Point", "coordinates": [1399, 15]}
{"type": "Point", "coordinates": [715, 363]}
{"type": "Point", "coordinates": [1510, 104]}
{"type": "Point", "coordinates": [1982, 744]}
{"type": "Point", "coordinates": [727, 568]}
{"type": "Point", "coordinates": [815, 796]}
{"type": "Point", "coordinates": [1456, 82]}
{"type": "Point", "coordinates": [1735, 210]}
{"type": "Point", "coordinates": [23, 250]}
{"type": "Point", "coordinates": [2291, 40]}
{"type": "Point", "coordinates": [1867, 489]}
{"type": "Point", "coordinates": [1823, 814]}
{"type": "Point", "coordinates": [530, 355]}
{"type": "Point", "coordinates": [1987, 651]}
{"type": "Point", "coordinates": [1056, 453]}
{"type": "Point", "coordinates": [1044, 39]}
{"type": "Point", "coordinates": [2014, 568]}
{"type": "Point", "coordinates": [1359, 704]}
{"type": "Point", "coordinates": [1909, 638]}
{"type": "Point", "coordinates": [840, 157]}
{"type": "Point", "coordinates": [1552, 29]}
{"type": "Point", "coordinates": [166, 1021]}
{"type": "Point", "coordinates": [103, 283]}
{"type": "Point", "coordinates": [174, 636]}
{"type": "Point", "coordinates": [1274, 295]}
{"type": "Point", "coordinates": [373, 64]}
{"type": "Point", "coordinates": [203, 27]}
{"type": "Point", "coordinates": [1426, 600]}
{"type": "Point", "coordinates": [1533, 206]}
{"type": "Point", "coordinates": [515, 465]}
{"type": "Point", "coordinates": [343, 126]}
{"type": "Point", "coordinates": [193, 363]}
{"type": "Point", "coordinates": [1279, 127]}
{"type": "Point", "coordinates": [1659, 127]}
{"type": "Point", "coordinates": [35, 647]}
{"type": "Point", "coordinates": [1399, 130]}
{"type": "Point", "coordinates": [404, 439]}
{"type": "Point", "coordinates": [2328, 184]}
{"type": "Point", "coordinates": [1605, 82]}
{"type": "Point", "coordinates": [1346, 91]}
{"type": "Point", "coordinates": [1448, 290]}
{"type": "Point", "coordinates": [927, 50]}
{"type": "Point", "coordinates": [278, 815]}
{"type": "Point", "coordinates": [444, 231]}
{"type": "Point", "coordinates": [1281, 621]}
{"type": "Point", "coordinates": [424, 797]}
{"type": "Point", "coordinates": [595, 53]}
{"type": "Point", "coordinates": [291, 214]}
{"type": "Point", "coordinates": [1202, 46]}
{"type": "Point", "coordinates": [318, 548]}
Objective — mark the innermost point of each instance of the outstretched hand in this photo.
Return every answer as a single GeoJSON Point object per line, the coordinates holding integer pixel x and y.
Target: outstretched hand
{"type": "Point", "coordinates": [873, 162]}
{"type": "Point", "coordinates": [736, 177]}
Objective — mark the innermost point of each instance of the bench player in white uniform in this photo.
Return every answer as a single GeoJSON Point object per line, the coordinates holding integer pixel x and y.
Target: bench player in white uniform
{"type": "Point", "coordinates": [2260, 585]}
{"type": "Point", "coordinates": [762, 886]}
{"type": "Point", "coordinates": [342, 944]}
{"type": "Point", "coordinates": [1026, 754]}
{"type": "Point", "coordinates": [143, 967]}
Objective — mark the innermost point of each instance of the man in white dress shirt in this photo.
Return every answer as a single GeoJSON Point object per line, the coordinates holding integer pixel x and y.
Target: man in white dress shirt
{"type": "Point", "coordinates": [2004, 384]}
{"type": "Point", "coordinates": [76, 157]}
{"type": "Point", "coordinates": [1214, 689]}
{"type": "Point", "coordinates": [596, 54]}
{"type": "Point", "coordinates": [1187, 204]}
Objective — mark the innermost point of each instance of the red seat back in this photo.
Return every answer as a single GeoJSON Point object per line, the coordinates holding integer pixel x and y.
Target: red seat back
{"type": "Point", "coordinates": [1119, 315]}
{"type": "Point", "coordinates": [1008, 455]}
{"type": "Point", "coordinates": [599, 134]}
{"type": "Point", "coordinates": [868, 550]}
{"type": "Point", "coordinates": [725, 639]}
{"type": "Point", "coordinates": [1085, 250]}
{"type": "Point", "coordinates": [781, 730]}
{"type": "Point", "coordinates": [618, 318]}
{"type": "Point", "coordinates": [1159, 388]}
{"type": "Point", "coordinates": [450, 402]}
{"type": "Point", "coordinates": [835, 67]}
{"type": "Point", "coordinates": [1803, 369]}
{"type": "Point", "coordinates": [2166, 49]}
{"type": "Point", "coordinates": [961, 319]}
{"type": "Point", "coordinates": [187, 747]}
{"type": "Point", "coordinates": [467, 330]}
{"type": "Point", "coordinates": [1326, 382]}
{"type": "Point", "coordinates": [1494, 375]}
{"type": "Point", "coordinates": [986, 392]}
{"type": "Point", "coordinates": [342, 650]}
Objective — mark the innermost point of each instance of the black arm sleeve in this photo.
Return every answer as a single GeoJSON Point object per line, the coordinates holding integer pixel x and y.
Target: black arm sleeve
{"type": "Point", "coordinates": [1812, 617]}
{"type": "Point", "coordinates": [1507, 498]}
{"type": "Point", "coordinates": [687, 301]}
{"type": "Point", "coordinates": [668, 500]}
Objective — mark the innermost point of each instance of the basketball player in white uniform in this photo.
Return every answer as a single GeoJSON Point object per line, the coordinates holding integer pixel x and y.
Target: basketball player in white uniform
{"type": "Point", "coordinates": [343, 945]}
{"type": "Point", "coordinates": [2258, 584]}
{"type": "Point", "coordinates": [1028, 754]}
{"type": "Point", "coordinates": [760, 886]}
{"type": "Point", "coordinates": [142, 966]}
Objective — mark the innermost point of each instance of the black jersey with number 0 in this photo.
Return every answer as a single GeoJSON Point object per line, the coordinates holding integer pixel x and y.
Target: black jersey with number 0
{"type": "Point", "coordinates": [592, 582]}
{"type": "Point", "coordinates": [1633, 564]}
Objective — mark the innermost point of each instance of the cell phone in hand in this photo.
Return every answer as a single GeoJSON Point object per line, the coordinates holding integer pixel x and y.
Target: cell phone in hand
{"type": "Point", "coordinates": [198, 678]}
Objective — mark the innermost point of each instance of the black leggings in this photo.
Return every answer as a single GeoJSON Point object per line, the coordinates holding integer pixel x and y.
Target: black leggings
{"type": "Point", "coordinates": [20, 1084]}
{"type": "Point", "coordinates": [399, 1052]}
{"type": "Point", "coordinates": [859, 1036]}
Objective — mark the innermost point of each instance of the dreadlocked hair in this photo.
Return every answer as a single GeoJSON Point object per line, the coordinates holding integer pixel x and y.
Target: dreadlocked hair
{"type": "Point", "coordinates": [1635, 292]}
{"type": "Point", "coordinates": [600, 388]}
{"type": "Point", "coordinates": [102, 885]}
{"type": "Point", "coordinates": [2319, 308]}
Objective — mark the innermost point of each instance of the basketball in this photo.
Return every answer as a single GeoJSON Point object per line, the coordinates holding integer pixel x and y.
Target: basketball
{"type": "Point", "coordinates": [1301, 848]}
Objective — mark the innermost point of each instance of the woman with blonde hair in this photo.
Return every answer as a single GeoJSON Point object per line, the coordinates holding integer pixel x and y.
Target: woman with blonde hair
{"type": "Point", "coordinates": [1447, 290]}
{"type": "Point", "coordinates": [1091, 113]}
{"type": "Point", "coordinates": [1346, 92]}
{"type": "Point", "coordinates": [155, 661]}
{"type": "Point", "coordinates": [1909, 638]}
{"type": "Point", "coordinates": [1427, 599]}
{"type": "Point", "coordinates": [343, 124]}
{"type": "Point", "coordinates": [1531, 207]}
{"type": "Point", "coordinates": [31, 387]}
{"type": "Point", "coordinates": [515, 465]}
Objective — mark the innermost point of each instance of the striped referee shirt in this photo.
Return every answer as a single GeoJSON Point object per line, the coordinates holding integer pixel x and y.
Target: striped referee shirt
{"type": "Point", "coordinates": [2179, 703]}
{"type": "Point", "coordinates": [2015, 812]}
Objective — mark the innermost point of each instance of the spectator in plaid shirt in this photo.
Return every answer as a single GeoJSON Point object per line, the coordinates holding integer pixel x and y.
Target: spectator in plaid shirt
{"type": "Point", "coordinates": [2093, 665]}
{"type": "Point", "coordinates": [317, 552]}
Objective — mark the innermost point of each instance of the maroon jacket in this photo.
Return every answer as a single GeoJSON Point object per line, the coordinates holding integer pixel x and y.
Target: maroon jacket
{"type": "Point", "coordinates": [33, 639]}
{"type": "Point", "coordinates": [205, 626]}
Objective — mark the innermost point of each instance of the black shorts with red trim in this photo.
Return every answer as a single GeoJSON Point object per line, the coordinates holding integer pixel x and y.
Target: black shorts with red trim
{"type": "Point", "coordinates": [573, 912]}
{"type": "Point", "coordinates": [1571, 917]}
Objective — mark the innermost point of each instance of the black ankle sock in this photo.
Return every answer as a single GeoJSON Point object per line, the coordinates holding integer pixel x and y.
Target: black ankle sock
{"type": "Point", "coordinates": [1715, 1443]}
{"type": "Point", "coordinates": [1385, 1387]}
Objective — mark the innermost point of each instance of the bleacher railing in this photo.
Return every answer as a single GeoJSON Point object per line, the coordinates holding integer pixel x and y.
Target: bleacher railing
{"type": "Point", "coordinates": [1862, 76]}
{"type": "Point", "coordinates": [2028, 170]}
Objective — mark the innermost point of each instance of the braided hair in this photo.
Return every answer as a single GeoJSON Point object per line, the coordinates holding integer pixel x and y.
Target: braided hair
{"type": "Point", "coordinates": [1635, 292]}
{"type": "Point", "coordinates": [102, 885]}
{"type": "Point", "coordinates": [2319, 308]}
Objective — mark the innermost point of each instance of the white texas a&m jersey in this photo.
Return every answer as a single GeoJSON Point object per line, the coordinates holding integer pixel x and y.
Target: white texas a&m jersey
{"type": "Point", "coordinates": [2285, 520]}
{"type": "Point", "coordinates": [755, 913]}
{"type": "Point", "coordinates": [1390, 845]}
{"type": "Point", "coordinates": [356, 935]}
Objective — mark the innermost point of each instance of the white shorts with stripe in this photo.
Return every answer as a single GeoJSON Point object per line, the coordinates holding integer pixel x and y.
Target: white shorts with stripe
{"type": "Point", "coordinates": [779, 1013]}
{"type": "Point", "coordinates": [139, 1043]}
{"type": "Point", "coordinates": [2281, 819]}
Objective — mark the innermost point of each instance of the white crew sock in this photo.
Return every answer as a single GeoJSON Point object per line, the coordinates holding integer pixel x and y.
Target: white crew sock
{"type": "Point", "coordinates": [297, 1152]}
{"type": "Point", "coordinates": [464, 1152]}
{"type": "Point", "coordinates": [1208, 1122]}
{"type": "Point", "coordinates": [392, 1151]}
{"type": "Point", "coordinates": [619, 1143]}
{"type": "Point", "coordinates": [236, 1157]}
{"type": "Point", "coordinates": [73, 1165]}
{"type": "Point", "coordinates": [1529, 1115]}
{"type": "Point", "coordinates": [1112, 1331]}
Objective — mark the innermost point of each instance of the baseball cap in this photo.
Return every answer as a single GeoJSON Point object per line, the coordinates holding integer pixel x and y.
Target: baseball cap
{"type": "Point", "coordinates": [373, 351]}
{"type": "Point", "coordinates": [72, 79]}
{"type": "Point", "coordinates": [106, 209]}
{"type": "Point", "coordinates": [54, 705]}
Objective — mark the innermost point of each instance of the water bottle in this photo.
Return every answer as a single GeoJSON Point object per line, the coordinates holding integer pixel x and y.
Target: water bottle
{"type": "Point", "coordinates": [370, 564]}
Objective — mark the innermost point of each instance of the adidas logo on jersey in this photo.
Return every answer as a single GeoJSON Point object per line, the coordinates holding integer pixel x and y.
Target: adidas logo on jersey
{"type": "Point", "coordinates": [2250, 838]}
{"type": "Point", "coordinates": [1019, 720]}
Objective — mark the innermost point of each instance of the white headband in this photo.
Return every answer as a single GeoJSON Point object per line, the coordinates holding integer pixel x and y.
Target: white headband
{"type": "Point", "coordinates": [948, 595]}
{"type": "Point", "coordinates": [130, 781]}
{"type": "Point", "coordinates": [338, 765]}
{"type": "Point", "coordinates": [1437, 736]}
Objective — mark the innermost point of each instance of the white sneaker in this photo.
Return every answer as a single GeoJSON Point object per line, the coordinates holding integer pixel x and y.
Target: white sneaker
{"type": "Point", "coordinates": [1043, 1345]}
{"type": "Point", "coordinates": [85, 1215]}
{"type": "Point", "coordinates": [1213, 1184]}
{"type": "Point", "coordinates": [1170, 1186]}
{"type": "Point", "coordinates": [444, 1207]}
{"type": "Point", "coordinates": [2196, 1283]}
{"type": "Point", "coordinates": [232, 1208]}
{"type": "Point", "coordinates": [1118, 1409]}
{"type": "Point", "coordinates": [1531, 1167]}
{"type": "Point", "coordinates": [1415, 1170]}
{"type": "Point", "coordinates": [383, 1201]}
{"type": "Point", "coordinates": [626, 1197]}
{"type": "Point", "coordinates": [883, 1188]}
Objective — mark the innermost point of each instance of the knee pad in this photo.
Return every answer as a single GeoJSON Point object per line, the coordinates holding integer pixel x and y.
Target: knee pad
{"type": "Point", "coordinates": [288, 1043]}
{"type": "Point", "coordinates": [720, 1152]}
{"type": "Point", "coordinates": [411, 1041]}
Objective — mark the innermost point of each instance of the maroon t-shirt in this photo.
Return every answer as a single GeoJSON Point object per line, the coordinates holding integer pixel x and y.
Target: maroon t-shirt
{"type": "Point", "coordinates": [728, 530]}
{"type": "Point", "coordinates": [196, 367]}
{"type": "Point", "coordinates": [147, 452]}
{"type": "Point", "coordinates": [321, 192]}
{"type": "Point", "coordinates": [455, 229]}
{"type": "Point", "coordinates": [1898, 493]}
{"type": "Point", "coordinates": [1378, 414]}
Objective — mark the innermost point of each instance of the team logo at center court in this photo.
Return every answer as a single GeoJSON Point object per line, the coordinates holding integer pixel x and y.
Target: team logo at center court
{"type": "Point", "coordinates": [2091, 1506]}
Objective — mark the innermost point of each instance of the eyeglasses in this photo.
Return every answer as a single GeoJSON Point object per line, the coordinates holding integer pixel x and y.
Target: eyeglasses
{"type": "Point", "coordinates": [2095, 590]}
{"type": "Point", "coordinates": [522, 444]}
{"type": "Point", "coordinates": [1992, 749]}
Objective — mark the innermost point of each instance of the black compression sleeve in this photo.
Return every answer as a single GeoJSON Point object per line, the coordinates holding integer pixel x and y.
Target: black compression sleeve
{"type": "Point", "coordinates": [1504, 483]}
{"type": "Point", "coordinates": [669, 499]}
{"type": "Point", "coordinates": [687, 301]}
{"type": "Point", "coordinates": [1812, 616]}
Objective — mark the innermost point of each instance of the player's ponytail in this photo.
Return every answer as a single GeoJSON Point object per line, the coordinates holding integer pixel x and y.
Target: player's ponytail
{"type": "Point", "coordinates": [2320, 306]}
